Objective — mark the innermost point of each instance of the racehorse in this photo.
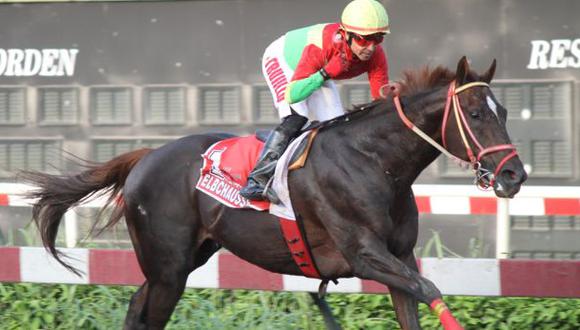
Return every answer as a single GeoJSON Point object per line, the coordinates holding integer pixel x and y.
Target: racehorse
{"type": "Point", "coordinates": [353, 195]}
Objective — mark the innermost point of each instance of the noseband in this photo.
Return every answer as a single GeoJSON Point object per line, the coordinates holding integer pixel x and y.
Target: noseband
{"type": "Point", "coordinates": [484, 178]}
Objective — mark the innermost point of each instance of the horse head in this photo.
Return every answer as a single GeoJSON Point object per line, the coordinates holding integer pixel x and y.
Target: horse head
{"type": "Point", "coordinates": [474, 129]}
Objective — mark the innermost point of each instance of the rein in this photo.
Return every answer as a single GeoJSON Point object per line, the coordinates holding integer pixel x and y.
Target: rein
{"type": "Point", "coordinates": [484, 177]}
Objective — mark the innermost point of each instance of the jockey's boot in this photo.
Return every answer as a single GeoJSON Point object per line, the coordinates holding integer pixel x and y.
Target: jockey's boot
{"type": "Point", "coordinates": [274, 147]}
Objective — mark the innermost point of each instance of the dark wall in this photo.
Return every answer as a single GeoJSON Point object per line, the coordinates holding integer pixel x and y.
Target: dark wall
{"type": "Point", "coordinates": [222, 41]}
{"type": "Point", "coordinates": [192, 43]}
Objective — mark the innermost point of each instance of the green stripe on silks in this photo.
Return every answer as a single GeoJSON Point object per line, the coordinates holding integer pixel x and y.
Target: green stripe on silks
{"type": "Point", "coordinates": [297, 40]}
{"type": "Point", "coordinates": [294, 45]}
{"type": "Point", "coordinates": [299, 90]}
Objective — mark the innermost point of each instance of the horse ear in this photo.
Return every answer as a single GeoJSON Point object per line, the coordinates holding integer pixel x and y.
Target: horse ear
{"type": "Point", "coordinates": [488, 75]}
{"type": "Point", "coordinates": [462, 70]}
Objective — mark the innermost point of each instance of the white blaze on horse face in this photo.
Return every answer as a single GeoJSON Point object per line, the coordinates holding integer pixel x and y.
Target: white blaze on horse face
{"type": "Point", "coordinates": [491, 104]}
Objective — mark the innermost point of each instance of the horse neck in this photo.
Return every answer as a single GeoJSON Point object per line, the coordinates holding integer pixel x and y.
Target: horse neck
{"type": "Point", "coordinates": [400, 151]}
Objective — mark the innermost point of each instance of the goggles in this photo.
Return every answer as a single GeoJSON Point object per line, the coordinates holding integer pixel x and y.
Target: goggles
{"type": "Point", "coordinates": [365, 41]}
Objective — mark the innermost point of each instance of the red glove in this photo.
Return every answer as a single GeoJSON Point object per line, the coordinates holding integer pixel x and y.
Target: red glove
{"type": "Point", "coordinates": [337, 65]}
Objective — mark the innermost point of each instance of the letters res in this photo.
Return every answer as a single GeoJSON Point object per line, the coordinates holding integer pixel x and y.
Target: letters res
{"type": "Point", "coordinates": [554, 54]}
{"type": "Point", "coordinates": [37, 62]}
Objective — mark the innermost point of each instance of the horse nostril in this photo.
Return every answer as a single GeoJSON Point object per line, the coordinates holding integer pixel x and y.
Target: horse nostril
{"type": "Point", "coordinates": [513, 176]}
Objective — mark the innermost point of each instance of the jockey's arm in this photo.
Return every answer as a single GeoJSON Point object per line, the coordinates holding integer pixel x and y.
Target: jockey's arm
{"type": "Point", "coordinates": [378, 72]}
{"type": "Point", "coordinates": [307, 77]}
{"type": "Point", "coordinates": [299, 90]}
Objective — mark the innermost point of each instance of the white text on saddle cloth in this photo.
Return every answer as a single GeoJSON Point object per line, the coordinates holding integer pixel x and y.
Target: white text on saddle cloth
{"type": "Point", "coordinates": [223, 190]}
{"type": "Point", "coordinates": [226, 165]}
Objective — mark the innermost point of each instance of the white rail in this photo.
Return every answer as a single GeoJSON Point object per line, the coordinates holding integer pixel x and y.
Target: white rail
{"type": "Point", "coordinates": [433, 199]}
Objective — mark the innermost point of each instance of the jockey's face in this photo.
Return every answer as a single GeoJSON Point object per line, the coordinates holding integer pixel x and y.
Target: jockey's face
{"type": "Point", "coordinates": [364, 46]}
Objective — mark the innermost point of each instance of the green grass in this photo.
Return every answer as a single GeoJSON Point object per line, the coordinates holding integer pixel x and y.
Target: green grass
{"type": "Point", "coordinates": [59, 306]}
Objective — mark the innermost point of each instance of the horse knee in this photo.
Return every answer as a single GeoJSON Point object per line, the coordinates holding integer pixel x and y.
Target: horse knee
{"type": "Point", "coordinates": [392, 273]}
{"type": "Point", "coordinates": [429, 291]}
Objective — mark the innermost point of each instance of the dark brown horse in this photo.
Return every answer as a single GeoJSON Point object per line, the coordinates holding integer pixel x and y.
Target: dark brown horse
{"type": "Point", "coordinates": [354, 196]}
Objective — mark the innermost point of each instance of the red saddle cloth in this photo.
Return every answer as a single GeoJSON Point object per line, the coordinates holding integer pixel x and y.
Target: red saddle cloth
{"type": "Point", "coordinates": [225, 170]}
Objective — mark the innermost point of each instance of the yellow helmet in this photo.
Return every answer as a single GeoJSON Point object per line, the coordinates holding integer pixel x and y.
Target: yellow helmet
{"type": "Point", "coordinates": [365, 17]}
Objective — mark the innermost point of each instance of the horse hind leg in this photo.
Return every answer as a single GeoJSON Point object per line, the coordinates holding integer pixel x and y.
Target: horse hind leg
{"type": "Point", "coordinates": [165, 243]}
{"type": "Point", "coordinates": [134, 319]}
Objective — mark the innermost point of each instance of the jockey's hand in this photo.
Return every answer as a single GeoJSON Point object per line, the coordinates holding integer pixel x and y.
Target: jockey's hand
{"type": "Point", "coordinates": [336, 65]}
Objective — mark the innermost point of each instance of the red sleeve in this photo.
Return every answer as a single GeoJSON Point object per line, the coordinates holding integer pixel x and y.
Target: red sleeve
{"type": "Point", "coordinates": [378, 72]}
{"type": "Point", "coordinates": [311, 61]}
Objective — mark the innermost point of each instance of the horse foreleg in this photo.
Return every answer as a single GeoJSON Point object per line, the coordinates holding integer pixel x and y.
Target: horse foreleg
{"type": "Point", "coordinates": [406, 306]}
{"type": "Point", "coordinates": [373, 261]}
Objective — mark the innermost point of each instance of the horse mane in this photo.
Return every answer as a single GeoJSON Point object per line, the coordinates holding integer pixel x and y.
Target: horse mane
{"type": "Point", "coordinates": [416, 81]}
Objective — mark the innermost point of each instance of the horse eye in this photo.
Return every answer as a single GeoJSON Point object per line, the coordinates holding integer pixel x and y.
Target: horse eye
{"type": "Point", "coordinates": [474, 114]}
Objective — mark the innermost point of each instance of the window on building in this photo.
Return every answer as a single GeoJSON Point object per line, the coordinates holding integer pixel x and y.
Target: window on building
{"type": "Point", "coordinates": [220, 105]}
{"type": "Point", "coordinates": [12, 105]}
{"type": "Point", "coordinates": [106, 149]}
{"type": "Point", "coordinates": [545, 236]}
{"type": "Point", "coordinates": [34, 155]}
{"type": "Point", "coordinates": [540, 125]}
{"type": "Point", "coordinates": [58, 105]}
{"type": "Point", "coordinates": [111, 105]}
{"type": "Point", "coordinates": [164, 106]}
{"type": "Point", "coordinates": [540, 118]}
{"type": "Point", "coordinates": [263, 108]}
{"type": "Point", "coordinates": [559, 255]}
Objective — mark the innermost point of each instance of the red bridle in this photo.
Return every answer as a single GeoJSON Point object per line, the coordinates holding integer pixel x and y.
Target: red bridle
{"type": "Point", "coordinates": [484, 177]}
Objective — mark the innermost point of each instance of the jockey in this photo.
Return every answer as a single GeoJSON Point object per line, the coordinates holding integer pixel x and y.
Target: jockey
{"type": "Point", "coordinates": [300, 67]}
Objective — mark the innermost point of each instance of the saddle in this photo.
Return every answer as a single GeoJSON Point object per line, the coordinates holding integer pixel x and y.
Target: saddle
{"type": "Point", "coordinates": [299, 156]}
{"type": "Point", "coordinates": [228, 163]}
{"type": "Point", "coordinates": [226, 167]}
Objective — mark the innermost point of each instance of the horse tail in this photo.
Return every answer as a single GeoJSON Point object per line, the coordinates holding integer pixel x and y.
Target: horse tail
{"type": "Point", "coordinates": [55, 194]}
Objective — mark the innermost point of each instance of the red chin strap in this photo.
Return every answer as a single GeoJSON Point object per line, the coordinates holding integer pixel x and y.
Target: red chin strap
{"type": "Point", "coordinates": [463, 126]}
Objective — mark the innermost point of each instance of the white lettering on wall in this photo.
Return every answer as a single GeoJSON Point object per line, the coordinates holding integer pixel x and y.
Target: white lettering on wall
{"type": "Point", "coordinates": [554, 54]}
{"type": "Point", "coordinates": [51, 62]}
